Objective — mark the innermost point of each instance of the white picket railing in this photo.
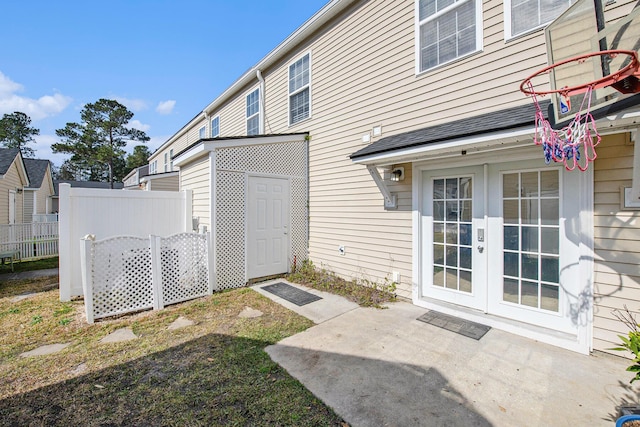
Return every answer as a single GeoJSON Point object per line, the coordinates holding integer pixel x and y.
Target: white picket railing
{"type": "Point", "coordinates": [126, 274]}
{"type": "Point", "coordinates": [34, 240]}
{"type": "Point", "coordinates": [45, 217]}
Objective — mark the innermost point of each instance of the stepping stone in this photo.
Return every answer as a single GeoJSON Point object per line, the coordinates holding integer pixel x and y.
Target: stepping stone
{"type": "Point", "coordinates": [21, 297]}
{"type": "Point", "coordinates": [119, 335]}
{"type": "Point", "coordinates": [250, 313]}
{"type": "Point", "coordinates": [180, 322]}
{"type": "Point", "coordinates": [45, 349]}
{"type": "Point", "coordinates": [80, 369]}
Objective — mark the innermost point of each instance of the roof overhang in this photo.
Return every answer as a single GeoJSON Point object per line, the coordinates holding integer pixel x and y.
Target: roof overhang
{"type": "Point", "coordinates": [490, 141]}
{"type": "Point", "coordinates": [147, 178]}
{"type": "Point", "coordinates": [205, 146]}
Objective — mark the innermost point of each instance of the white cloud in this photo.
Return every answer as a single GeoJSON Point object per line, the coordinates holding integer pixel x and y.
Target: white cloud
{"type": "Point", "coordinates": [45, 106]}
{"type": "Point", "coordinates": [137, 124]}
{"type": "Point", "coordinates": [133, 104]}
{"type": "Point", "coordinates": [42, 148]}
{"type": "Point", "coordinates": [165, 107]}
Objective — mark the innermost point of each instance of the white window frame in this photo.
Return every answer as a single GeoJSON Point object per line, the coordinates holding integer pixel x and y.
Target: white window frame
{"type": "Point", "coordinates": [211, 126]}
{"type": "Point", "coordinates": [153, 167]}
{"type": "Point", "coordinates": [507, 22]}
{"type": "Point", "coordinates": [258, 114]}
{"type": "Point", "coordinates": [291, 94]}
{"type": "Point", "coordinates": [202, 132]}
{"type": "Point", "coordinates": [479, 33]}
{"type": "Point", "coordinates": [171, 160]}
{"type": "Point", "coordinates": [166, 162]}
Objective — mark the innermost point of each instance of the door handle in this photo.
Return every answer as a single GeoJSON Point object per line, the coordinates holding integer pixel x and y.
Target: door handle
{"type": "Point", "coordinates": [480, 248]}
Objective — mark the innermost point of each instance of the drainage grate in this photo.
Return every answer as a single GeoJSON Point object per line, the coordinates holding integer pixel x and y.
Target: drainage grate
{"type": "Point", "coordinates": [454, 324]}
{"type": "Point", "coordinates": [291, 293]}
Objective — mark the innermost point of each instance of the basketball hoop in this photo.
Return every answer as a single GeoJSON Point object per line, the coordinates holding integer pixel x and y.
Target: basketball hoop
{"type": "Point", "coordinates": [574, 145]}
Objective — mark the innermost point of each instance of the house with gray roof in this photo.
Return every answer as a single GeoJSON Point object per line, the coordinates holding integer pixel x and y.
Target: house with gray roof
{"type": "Point", "coordinates": [13, 180]}
{"type": "Point", "coordinates": [38, 196]}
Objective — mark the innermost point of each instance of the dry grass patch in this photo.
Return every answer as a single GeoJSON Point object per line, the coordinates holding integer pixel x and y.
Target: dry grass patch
{"type": "Point", "coordinates": [212, 373]}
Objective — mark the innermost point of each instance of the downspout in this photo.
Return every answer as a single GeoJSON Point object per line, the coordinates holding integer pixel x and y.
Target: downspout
{"type": "Point", "coordinates": [262, 101]}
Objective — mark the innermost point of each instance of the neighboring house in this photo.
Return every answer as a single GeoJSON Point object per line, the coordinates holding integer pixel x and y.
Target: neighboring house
{"type": "Point", "coordinates": [13, 180]}
{"type": "Point", "coordinates": [355, 112]}
{"type": "Point", "coordinates": [140, 179]}
{"type": "Point", "coordinates": [37, 198]}
{"type": "Point", "coordinates": [80, 184]}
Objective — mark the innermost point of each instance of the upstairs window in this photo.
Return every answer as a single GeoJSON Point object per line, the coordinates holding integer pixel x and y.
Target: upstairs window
{"type": "Point", "coordinates": [521, 16]}
{"type": "Point", "coordinates": [448, 29]}
{"type": "Point", "coordinates": [153, 167]}
{"type": "Point", "coordinates": [299, 90]}
{"type": "Point", "coordinates": [215, 127]}
{"type": "Point", "coordinates": [166, 162]}
{"type": "Point", "coordinates": [171, 160]}
{"type": "Point", "coordinates": [202, 133]}
{"type": "Point", "coordinates": [253, 113]}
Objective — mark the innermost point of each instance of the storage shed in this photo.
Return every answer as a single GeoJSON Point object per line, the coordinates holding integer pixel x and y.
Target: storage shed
{"type": "Point", "coordinates": [251, 193]}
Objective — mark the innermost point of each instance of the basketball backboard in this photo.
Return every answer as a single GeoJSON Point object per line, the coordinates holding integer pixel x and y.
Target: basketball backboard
{"type": "Point", "coordinates": [590, 26]}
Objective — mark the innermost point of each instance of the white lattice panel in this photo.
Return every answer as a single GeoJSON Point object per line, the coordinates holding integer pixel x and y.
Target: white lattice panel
{"type": "Point", "coordinates": [184, 263]}
{"type": "Point", "coordinates": [299, 220]}
{"type": "Point", "coordinates": [121, 276]}
{"type": "Point", "coordinates": [230, 230]}
{"type": "Point", "coordinates": [281, 159]}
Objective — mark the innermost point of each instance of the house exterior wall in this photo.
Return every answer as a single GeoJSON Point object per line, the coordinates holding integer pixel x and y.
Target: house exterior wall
{"type": "Point", "coordinates": [169, 183]}
{"type": "Point", "coordinates": [12, 180]}
{"type": "Point", "coordinates": [617, 233]}
{"type": "Point", "coordinates": [195, 177]}
{"type": "Point", "coordinates": [43, 193]}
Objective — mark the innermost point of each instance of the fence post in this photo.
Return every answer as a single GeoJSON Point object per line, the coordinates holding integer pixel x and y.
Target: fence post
{"type": "Point", "coordinates": [86, 264]}
{"type": "Point", "coordinates": [210, 264]}
{"type": "Point", "coordinates": [64, 242]}
{"type": "Point", "coordinates": [155, 243]}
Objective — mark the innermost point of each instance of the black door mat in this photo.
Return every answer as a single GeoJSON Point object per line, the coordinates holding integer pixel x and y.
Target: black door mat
{"type": "Point", "coordinates": [454, 324]}
{"type": "Point", "coordinates": [291, 293]}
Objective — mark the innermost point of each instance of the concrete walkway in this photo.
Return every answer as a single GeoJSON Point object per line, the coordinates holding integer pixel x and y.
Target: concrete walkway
{"type": "Point", "coordinates": [28, 274]}
{"type": "Point", "coordinates": [385, 368]}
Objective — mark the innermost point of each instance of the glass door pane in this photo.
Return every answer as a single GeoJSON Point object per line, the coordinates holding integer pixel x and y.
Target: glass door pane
{"type": "Point", "coordinates": [452, 233]}
{"type": "Point", "coordinates": [530, 212]}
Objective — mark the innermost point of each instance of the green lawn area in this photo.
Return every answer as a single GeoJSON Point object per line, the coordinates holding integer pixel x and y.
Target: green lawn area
{"type": "Point", "coordinates": [213, 373]}
{"type": "Point", "coordinates": [38, 264]}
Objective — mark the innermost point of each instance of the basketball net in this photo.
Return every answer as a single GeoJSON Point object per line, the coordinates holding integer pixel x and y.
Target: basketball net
{"type": "Point", "coordinates": [575, 144]}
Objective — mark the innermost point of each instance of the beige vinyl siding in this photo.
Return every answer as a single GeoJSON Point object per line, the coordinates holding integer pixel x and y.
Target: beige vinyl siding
{"type": "Point", "coordinates": [169, 183]}
{"type": "Point", "coordinates": [12, 180]}
{"type": "Point", "coordinates": [28, 202]}
{"type": "Point", "coordinates": [44, 192]}
{"type": "Point", "coordinates": [195, 176]}
{"type": "Point", "coordinates": [617, 241]}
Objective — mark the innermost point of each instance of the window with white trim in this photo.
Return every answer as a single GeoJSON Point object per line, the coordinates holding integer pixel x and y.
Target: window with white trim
{"type": "Point", "coordinates": [215, 127]}
{"type": "Point", "coordinates": [521, 16]}
{"type": "Point", "coordinates": [299, 90]}
{"type": "Point", "coordinates": [171, 160]}
{"type": "Point", "coordinates": [447, 30]}
{"type": "Point", "coordinates": [253, 113]}
{"type": "Point", "coordinates": [153, 167]}
{"type": "Point", "coordinates": [202, 133]}
{"type": "Point", "coordinates": [166, 162]}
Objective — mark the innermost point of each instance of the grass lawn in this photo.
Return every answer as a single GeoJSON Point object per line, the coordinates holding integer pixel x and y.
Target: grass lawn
{"type": "Point", "coordinates": [38, 264]}
{"type": "Point", "coordinates": [212, 373]}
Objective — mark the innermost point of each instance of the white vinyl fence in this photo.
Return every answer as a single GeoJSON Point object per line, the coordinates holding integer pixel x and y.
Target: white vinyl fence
{"type": "Point", "coordinates": [108, 213]}
{"type": "Point", "coordinates": [126, 274]}
{"type": "Point", "coordinates": [35, 240]}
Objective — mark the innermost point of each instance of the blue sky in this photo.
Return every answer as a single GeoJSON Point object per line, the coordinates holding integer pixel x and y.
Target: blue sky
{"type": "Point", "coordinates": [165, 60]}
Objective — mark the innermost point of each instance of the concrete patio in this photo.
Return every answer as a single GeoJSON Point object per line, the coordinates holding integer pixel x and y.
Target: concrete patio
{"type": "Point", "coordinates": [385, 368]}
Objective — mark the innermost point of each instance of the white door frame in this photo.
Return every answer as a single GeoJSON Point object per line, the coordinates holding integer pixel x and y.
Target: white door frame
{"type": "Point", "coordinates": [581, 341]}
{"type": "Point", "coordinates": [12, 206]}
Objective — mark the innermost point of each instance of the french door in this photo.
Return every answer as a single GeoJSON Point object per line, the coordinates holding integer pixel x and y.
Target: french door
{"type": "Point", "coordinates": [504, 240]}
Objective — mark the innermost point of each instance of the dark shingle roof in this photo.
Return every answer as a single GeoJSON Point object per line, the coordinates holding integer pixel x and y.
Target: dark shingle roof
{"type": "Point", "coordinates": [6, 158]}
{"type": "Point", "coordinates": [36, 169]}
{"type": "Point", "coordinates": [490, 122]}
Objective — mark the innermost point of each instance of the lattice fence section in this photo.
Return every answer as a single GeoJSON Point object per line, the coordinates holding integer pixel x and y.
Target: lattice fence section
{"type": "Point", "coordinates": [185, 267]}
{"type": "Point", "coordinates": [121, 276]}
{"type": "Point", "coordinates": [125, 274]}
{"type": "Point", "coordinates": [282, 159]}
{"type": "Point", "coordinates": [299, 220]}
{"type": "Point", "coordinates": [230, 230]}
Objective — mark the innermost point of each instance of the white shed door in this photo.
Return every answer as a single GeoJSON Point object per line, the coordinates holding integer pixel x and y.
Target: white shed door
{"type": "Point", "coordinates": [12, 207]}
{"type": "Point", "coordinates": [268, 226]}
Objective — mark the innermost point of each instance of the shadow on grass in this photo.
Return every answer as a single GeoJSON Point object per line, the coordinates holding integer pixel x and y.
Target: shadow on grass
{"type": "Point", "coordinates": [15, 287]}
{"type": "Point", "coordinates": [213, 380]}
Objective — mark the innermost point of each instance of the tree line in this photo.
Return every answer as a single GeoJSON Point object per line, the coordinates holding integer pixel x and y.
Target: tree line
{"type": "Point", "coordinates": [96, 143]}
